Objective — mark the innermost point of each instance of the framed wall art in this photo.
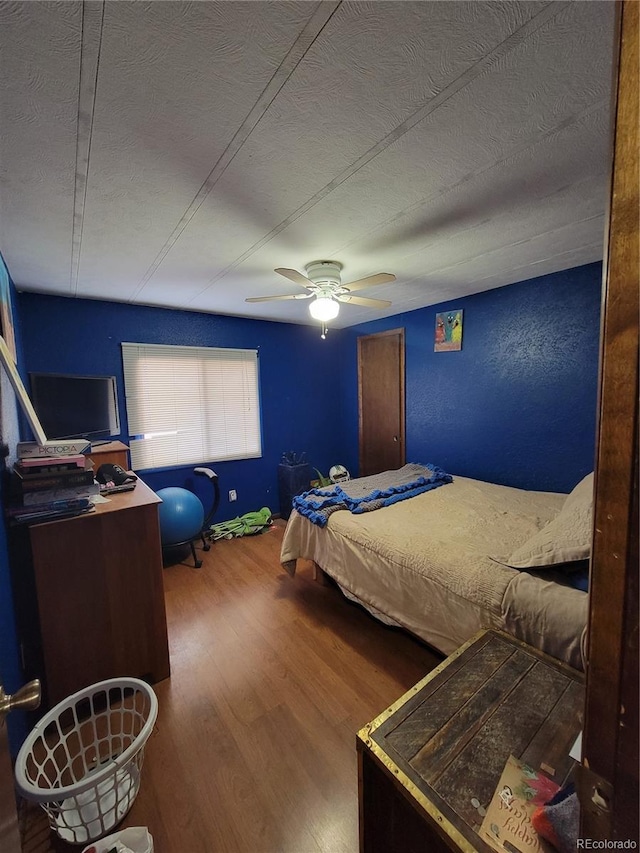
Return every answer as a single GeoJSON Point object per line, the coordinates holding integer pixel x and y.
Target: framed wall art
{"type": "Point", "coordinates": [448, 334]}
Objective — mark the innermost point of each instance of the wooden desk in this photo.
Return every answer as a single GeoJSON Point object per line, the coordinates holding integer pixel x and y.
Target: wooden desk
{"type": "Point", "coordinates": [99, 586]}
{"type": "Point", "coordinates": [443, 745]}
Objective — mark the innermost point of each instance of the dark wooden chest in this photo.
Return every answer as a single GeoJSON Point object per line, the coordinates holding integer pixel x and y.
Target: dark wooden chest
{"type": "Point", "coordinates": [430, 763]}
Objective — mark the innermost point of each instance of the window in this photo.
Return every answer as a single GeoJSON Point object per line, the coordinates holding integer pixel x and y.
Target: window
{"type": "Point", "coordinates": [189, 405]}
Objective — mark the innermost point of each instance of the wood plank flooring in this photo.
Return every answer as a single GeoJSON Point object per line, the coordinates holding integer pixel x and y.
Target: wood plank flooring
{"type": "Point", "coordinates": [271, 678]}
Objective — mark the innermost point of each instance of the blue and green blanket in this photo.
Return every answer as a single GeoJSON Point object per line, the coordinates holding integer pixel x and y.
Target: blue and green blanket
{"type": "Point", "coordinates": [368, 493]}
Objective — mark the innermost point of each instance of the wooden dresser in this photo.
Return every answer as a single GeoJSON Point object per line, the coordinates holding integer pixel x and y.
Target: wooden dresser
{"type": "Point", "coordinates": [429, 765]}
{"type": "Point", "coordinates": [114, 452]}
{"type": "Point", "coordinates": [98, 583]}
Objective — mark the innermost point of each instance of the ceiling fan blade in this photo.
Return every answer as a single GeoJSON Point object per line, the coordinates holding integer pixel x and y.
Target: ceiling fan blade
{"type": "Point", "coordinates": [295, 276]}
{"type": "Point", "coordinates": [272, 298]}
{"type": "Point", "coordinates": [370, 281]}
{"type": "Point", "coordinates": [362, 300]}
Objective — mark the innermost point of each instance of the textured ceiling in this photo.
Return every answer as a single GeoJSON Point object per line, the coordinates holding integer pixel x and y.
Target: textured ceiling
{"type": "Point", "coordinates": [175, 153]}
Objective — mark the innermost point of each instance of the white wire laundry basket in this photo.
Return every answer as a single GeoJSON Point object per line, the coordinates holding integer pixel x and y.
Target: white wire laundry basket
{"type": "Point", "coordinates": [82, 762]}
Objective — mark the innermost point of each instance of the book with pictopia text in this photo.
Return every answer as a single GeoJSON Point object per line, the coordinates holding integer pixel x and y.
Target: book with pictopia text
{"type": "Point", "coordinates": [507, 824]}
{"type": "Point", "coordinates": [61, 447]}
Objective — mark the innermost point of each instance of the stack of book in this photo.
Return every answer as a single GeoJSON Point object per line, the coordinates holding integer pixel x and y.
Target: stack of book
{"type": "Point", "coordinates": [50, 487]}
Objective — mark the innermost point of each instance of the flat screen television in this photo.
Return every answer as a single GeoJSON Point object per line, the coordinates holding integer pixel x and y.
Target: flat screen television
{"type": "Point", "coordinates": [75, 406]}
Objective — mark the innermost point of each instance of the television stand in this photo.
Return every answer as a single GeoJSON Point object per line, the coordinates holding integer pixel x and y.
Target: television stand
{"type": "Point", "coordinates": [113, 452]}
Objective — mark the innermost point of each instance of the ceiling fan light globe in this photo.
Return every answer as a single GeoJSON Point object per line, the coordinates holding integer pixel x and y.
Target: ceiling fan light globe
{"type": "Point", "coordinates": [324, 308]}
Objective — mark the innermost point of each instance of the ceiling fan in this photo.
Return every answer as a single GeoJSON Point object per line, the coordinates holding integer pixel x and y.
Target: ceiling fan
{"type": "Point", "coordinates": [322, 281]}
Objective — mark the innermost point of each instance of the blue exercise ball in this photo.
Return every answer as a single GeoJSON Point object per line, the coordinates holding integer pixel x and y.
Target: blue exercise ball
{"type": "Point", "coordinates": [181, 515]}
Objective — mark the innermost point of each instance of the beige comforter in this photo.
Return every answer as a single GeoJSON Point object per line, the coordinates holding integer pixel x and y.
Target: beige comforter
{"type": "Point", "coordinates": [426, 565]}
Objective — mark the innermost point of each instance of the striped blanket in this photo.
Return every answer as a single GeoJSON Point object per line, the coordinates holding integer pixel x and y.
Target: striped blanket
{"type": "Point", "coordinates": [368, 493]}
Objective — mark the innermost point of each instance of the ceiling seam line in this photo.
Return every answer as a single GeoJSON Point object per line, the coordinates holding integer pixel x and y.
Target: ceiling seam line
{"type": "Point", "coordinates": [278, 80]}
{"type": "Point", "coordinates": [74, 251]}
{"type": "Point", "coordinates": [89, 67]}
{"type": "Point", "coordinates": [558, 128]}
{"type": "Point", "coordinates": [560, 254]}
{"type": "Point", "coordinates": [551, 257]}
{"type": "Point", "coordinates": [433, 245]}
{"type": "Point", "coordinates": [555, 255]}
{"type": "Point", "coordinates": [548, 12]}
{"type": "Point", "coordinates": [492, 251]}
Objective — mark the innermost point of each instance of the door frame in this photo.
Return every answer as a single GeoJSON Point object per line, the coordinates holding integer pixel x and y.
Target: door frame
{"type": "Point", "coordinates": [607, 777]}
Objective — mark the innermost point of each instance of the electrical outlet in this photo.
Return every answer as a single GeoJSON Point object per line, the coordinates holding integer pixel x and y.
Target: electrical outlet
{"type": "Point", "coordinates": [233, 495]}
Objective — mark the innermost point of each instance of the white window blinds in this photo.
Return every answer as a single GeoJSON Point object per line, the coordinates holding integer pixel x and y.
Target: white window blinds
{"type": "Point", "coordinates": [188, 405]}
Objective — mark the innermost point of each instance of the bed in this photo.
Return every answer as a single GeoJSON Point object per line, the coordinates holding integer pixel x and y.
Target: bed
{"type": "Point", "coordinates": [465, 556]}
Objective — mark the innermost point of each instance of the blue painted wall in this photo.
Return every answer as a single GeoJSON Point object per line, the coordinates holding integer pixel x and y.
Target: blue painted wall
{"type": "Point", "coordinates": [517, 405]}
{"type": "Point", "coordinates": [300, 407]}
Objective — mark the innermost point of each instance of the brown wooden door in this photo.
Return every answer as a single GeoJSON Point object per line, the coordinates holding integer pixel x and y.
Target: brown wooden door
{"type": "Point", "coordinates": [27, 698]}
{"type": "Point", "coordinates": [9, 835]}
{"type": "Point", "coordinates": [381, 401]}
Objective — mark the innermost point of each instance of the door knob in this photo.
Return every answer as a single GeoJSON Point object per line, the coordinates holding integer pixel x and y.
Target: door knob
{"type": "Point", "coordinates": [395, 437]}
{"type": "Point", "coordinates": [27, 697]}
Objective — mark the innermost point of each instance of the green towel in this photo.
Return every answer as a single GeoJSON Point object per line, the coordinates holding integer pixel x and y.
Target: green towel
{"type": "Point", "coordinates": [242, 525]}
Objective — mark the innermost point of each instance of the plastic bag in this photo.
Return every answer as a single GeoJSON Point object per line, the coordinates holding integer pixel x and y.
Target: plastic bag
{"type": "Point", "coordinates": [135, 839]}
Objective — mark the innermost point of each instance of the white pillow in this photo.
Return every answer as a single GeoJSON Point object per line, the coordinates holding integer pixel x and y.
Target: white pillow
{"type": "Point", "coordinates": [565, 539]}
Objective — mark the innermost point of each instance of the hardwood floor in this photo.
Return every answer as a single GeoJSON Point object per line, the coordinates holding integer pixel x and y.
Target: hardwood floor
{"type": "Point", "coordinates": [271, 677]}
